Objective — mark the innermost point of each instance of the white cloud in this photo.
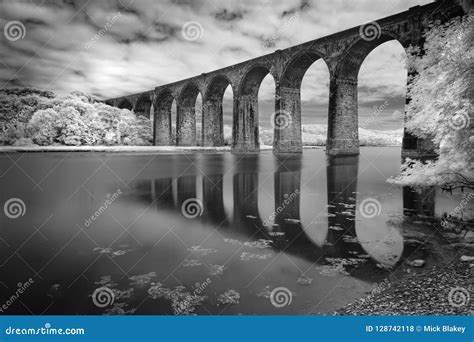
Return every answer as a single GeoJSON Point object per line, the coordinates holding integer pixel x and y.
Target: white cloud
{"type": "Point", "coordinates": [144, 48]}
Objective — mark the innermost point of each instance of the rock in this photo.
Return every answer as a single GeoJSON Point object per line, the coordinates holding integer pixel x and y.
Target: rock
{"type": "Point", "coordinates": [416, 263]}
{"type": "Point", "coordinates": [467, 258]}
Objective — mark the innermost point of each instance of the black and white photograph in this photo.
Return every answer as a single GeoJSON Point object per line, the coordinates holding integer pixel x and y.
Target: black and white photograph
{"type": "Point", "coordinates": [237, 158]}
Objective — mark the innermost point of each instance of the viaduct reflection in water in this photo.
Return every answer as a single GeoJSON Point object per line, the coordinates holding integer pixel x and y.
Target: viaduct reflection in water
{"type": "Point", "coordinates": [330, 232]}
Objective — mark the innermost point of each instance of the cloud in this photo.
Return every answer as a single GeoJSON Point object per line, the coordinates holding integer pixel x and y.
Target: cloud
{"type": "Point", "coordinates": [76, 45]}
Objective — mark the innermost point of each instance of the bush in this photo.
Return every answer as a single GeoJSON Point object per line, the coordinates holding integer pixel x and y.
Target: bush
{"type": "Point", "coordinates": [17, 106]}
{"type": "Point", "coordinates": [110, 138]}
{"type": "Point", "coordinates": [43, 127]}
{"type": "Point", "coordinates": [24, 142]}
{"type": "Point", "coordinates": [75, 119]}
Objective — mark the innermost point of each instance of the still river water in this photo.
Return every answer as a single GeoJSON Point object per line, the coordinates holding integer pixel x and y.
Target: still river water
{"type": "Point", "coordinates": [125, 222]}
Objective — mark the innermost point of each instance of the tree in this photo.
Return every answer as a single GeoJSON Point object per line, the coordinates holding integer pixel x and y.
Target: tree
{"type": "Point", "coordinates": [441, 106]}
{"type": "Point", "coordinates": [74, 119]}
{"type": "Point", "coordinates": [17, 106]}
{"type": "Point", "coordinates": [43, 126]}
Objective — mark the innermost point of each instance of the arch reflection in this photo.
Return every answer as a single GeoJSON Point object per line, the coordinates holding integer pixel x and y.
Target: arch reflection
{"type": "Point", "coordinates": [344, 234]}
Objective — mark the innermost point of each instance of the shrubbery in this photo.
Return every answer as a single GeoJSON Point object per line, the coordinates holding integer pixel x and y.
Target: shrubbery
{"type": "Point", "coordinates": [29, 115]}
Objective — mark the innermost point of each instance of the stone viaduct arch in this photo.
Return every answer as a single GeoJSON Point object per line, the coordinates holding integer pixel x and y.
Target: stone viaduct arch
{"type": "Point", "coordinates": [287, 119]}
{"type": "Point", "coordinates": [144, 105]}
{"type": "Point", "coordinates": [162, 118]}
{"type": "Point", "coordinates": [125, 104]}
{"type": "Point", "coordinates": [186, 115]}
{"type": "Point", "coordinates": [343, 53]}
{"type": "Point", "coordinates": [245, 133]}
{"type": "Point", "coordinates": [212, 118]}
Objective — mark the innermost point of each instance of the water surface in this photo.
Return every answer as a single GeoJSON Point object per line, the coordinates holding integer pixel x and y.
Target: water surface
{"type": "Point", "coordinates": [262, 222]}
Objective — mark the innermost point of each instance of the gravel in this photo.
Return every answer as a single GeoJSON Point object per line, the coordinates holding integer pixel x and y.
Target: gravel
{"type": "Point", "coordinates": [425, 293]}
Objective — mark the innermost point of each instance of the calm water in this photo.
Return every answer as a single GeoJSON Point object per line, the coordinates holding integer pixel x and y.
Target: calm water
{"type": "Point", "coordinates": [266, 222]}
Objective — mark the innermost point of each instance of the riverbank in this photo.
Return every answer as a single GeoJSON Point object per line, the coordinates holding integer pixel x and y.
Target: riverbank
{"type": "Point", "coordinates": [138, 149]}
{"type": "Point", "coordinates": [443, 289]}
{"type": "Point", "coordinates": [125, 149]}
{"type": "Point", "coordinates": [113, 149]}
{"type": "Point", "coordinates": [426, 293]}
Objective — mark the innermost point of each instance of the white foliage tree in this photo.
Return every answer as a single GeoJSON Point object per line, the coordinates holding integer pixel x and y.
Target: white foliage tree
{"type": "Point", "coordinates": [441, 106]}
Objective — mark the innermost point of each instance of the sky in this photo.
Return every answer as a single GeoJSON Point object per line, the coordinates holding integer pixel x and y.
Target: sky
{"type": "Point", "coordinates": [113, 48]}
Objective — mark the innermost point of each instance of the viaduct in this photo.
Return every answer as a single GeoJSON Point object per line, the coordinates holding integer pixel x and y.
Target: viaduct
{"type": "Point", "coordinates": [343, 53]}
